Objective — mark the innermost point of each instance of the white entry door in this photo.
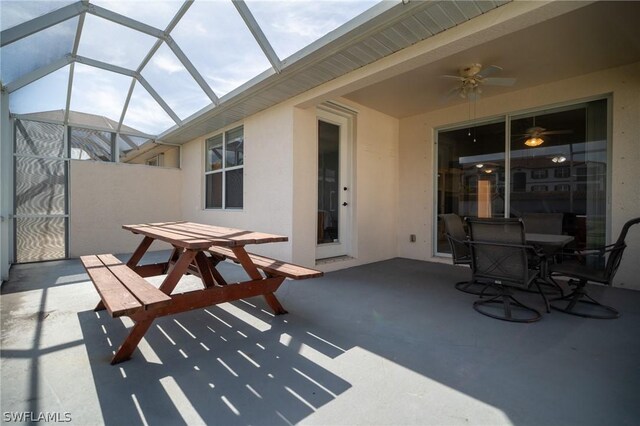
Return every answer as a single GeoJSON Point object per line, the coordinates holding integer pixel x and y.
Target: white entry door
{"type": "Point", "coordinates": [334, 190]}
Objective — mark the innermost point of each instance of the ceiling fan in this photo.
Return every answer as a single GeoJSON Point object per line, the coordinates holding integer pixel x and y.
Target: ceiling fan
{"type": "Point", "coordinates": [472, 77]}
{"type": "Point", "coordinates": [533, 136]}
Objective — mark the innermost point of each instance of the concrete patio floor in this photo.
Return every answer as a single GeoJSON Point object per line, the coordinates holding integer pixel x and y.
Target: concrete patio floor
{"type": "Point", "coordinates": [389, 343]}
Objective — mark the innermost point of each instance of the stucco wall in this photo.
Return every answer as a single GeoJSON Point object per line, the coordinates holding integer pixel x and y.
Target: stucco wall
{"type": "Point", "coordinates": [280, 186]}
{"type": "Point", "coordinates": [374, 202]}
{"type": "Point", "coordinates": [105, 196]}
{"type": "Point", "coordinates": [416, 156]}
{"type": "Point", "coordinates": [268, 162]}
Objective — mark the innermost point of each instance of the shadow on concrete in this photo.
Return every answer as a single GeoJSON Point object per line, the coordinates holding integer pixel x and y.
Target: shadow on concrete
{"type": "Point", "coordinates": [209, 366]}
{"type": "Point", "coordinates": [237, 364]}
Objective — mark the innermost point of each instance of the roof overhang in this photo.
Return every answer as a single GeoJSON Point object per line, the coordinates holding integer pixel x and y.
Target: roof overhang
{"type": "Point", "coordinates": [382, 31]}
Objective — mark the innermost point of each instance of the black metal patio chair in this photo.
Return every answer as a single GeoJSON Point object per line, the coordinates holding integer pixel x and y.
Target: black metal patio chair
{"type": "Point", "coordinates": [579, 268]}
{"type": "Point", "coordinates": [460, 252]}
{"type": "Point", "coordinates": [500, 257]}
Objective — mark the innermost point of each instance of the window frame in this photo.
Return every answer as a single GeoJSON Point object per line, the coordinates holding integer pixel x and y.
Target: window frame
{"type": "Point", "coordinates": [539, 174]}
{"type": "Point", "coordinates": [155, 161]}
{"type": "Point", "coordinates": [223, 169]}
{"type": "Point", "coordinates": [508, 116]}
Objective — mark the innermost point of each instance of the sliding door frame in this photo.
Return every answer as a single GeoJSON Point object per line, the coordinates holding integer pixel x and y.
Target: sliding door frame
{"type": "Point", "coordinates": [507, 117]}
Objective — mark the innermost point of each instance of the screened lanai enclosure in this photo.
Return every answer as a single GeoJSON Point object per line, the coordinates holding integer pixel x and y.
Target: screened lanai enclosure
{"type": "Point", "coordinates": [128, 81]}
{"type": "Point", "coordinates": [146, 145]}
{"type": "Point", "coordinates": [107, 80]}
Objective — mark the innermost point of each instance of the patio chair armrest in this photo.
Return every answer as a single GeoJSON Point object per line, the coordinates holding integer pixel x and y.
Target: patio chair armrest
{"type": "Point", "coordinates": [456, 240]}
{"type": "Point", "coordinates": [596, 249]}
{"type": "Point", "coordinates": [527, 247]}
{"type": "Point", "coordinates": [582, 254]}
{"type": "Point", "coordinates": [495, 243]}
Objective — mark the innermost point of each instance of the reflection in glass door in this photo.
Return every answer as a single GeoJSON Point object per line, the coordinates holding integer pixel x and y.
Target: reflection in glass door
{"type": "Point", "coordinates": [471, 174]}
{"type": "Point", "coordinates": [557, 173]}
{"type": "Point", "coordinates": [328, 179]}
{"type": "Point", "coordinates": [559, 169]}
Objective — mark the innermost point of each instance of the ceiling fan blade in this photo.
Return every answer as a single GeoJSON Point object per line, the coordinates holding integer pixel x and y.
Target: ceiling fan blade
{"type": "Point", "coordinates": [557, 132]}
{"type": "Point", "coordinates": [488, 71]}
{"type": "Point", "coordinates": [455, 77]}
{"type": "Point", "coordinates": [499, 81]}
{"type": "Point", "coordinates": [453, 93]}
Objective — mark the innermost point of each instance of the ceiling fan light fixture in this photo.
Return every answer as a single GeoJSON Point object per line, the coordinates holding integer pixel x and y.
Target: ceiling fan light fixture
{"type": "Point", "coordinates": [534, 141]}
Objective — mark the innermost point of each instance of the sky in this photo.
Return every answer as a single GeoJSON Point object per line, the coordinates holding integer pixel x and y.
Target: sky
{"type": "Point", "coordinates": [212, 35]}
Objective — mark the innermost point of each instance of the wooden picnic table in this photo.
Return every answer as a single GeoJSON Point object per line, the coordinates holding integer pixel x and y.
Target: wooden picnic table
{"type": "Point", "coordinates": [197, 250]}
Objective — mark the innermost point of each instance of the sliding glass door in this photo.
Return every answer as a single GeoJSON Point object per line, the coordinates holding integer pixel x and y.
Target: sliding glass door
{"type": "Point", "coordinates": [557, 164]}
{"type": "Point", "coordinates": [471, 173]}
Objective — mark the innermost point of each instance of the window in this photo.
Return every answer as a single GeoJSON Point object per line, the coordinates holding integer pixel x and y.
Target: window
{"type": "Point", "coordinates": [566, 174]}
{"type": "Point", "coordinates": [562, 172]}
{"type": "Point", "coordinates": [539, 174]}
{"type": "Point", "coordinates": [157, 161]}
{"type": "Point", "coordinates": [224, 170]}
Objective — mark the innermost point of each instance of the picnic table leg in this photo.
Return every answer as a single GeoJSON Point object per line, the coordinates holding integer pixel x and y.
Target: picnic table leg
{"type": "Point", "coordinates": [213, 262]}
{"type": "Point", "coordinates": [204, 268]}
{"type": "Point", "coordinates": [131, 342]}
{"type": "Point", "coordinates": [254, 274]}
{"type": "Point", "coordinates": [274, 303]}
{"type": "Point", "coordinates": [175, 254]}
{"type": "Point", "coordinates": [140, 251]}
{"type": "Point", "coordinates": [177, 270]}
{"type": "Point", "coordinates": [138, 331]}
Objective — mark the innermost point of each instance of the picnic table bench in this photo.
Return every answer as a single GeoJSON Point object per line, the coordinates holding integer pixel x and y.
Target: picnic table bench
{"type": "Point", "coordinates": [270, 266]}
{"type": "Point", "coordinates": [122, 291]}
{"type": "Point", "coordinates": [197, 250]}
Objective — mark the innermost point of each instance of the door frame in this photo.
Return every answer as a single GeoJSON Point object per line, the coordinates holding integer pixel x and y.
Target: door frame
{"type": "Point", "coordinates": [345, 118]}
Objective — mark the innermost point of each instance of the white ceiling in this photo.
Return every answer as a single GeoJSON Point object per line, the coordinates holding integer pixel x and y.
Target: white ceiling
{"type": "Point", "coordinates": [599, 36]}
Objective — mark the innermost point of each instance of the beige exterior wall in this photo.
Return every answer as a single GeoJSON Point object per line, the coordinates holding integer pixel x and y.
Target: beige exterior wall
{"type": "Point", "coordinates": [392, 188]}
{"type": "Point", "coordinates": [416, 190]}
{"type": "Point", "coordinates": [268, 180]}
{"type": "Point", "coordinates": [280, 186]}
{"type": "Point", "coordinates": [105, 196]}
{"type": "Point", "coordinates": [374, 203]}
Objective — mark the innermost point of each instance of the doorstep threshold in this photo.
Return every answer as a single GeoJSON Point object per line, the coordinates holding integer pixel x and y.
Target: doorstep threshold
{"type": "Point", "coordinates": [333, 259]}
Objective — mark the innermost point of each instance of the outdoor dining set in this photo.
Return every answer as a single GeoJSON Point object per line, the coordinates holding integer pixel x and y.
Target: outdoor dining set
{"type": "Point", "coordinates": [507, 255]}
